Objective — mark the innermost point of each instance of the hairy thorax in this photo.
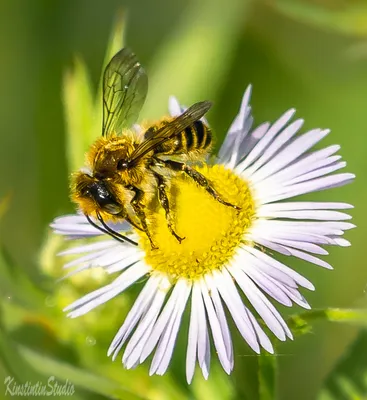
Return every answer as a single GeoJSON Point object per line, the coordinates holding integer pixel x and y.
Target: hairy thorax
{"type": "Point", "coordinates": [107, 155]}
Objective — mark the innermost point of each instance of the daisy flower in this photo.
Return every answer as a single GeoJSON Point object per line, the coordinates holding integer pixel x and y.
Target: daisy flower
{"type": "Point", "coordinates": [227, 259]}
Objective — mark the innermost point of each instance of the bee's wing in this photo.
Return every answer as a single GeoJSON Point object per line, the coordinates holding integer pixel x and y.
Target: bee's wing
{"type": "Point", "coordinates": [173, 128]}
{"type": "Point", "coordinates": [125, 87]}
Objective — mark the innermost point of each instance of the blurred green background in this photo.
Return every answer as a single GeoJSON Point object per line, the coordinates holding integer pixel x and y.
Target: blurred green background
{"type": "Point", "coordinates": [311, 55]}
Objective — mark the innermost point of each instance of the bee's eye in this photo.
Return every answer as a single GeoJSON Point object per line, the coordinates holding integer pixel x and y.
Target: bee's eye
{"type": "Point", "coordinates": [122, 164]}
{"type": "Point", "coordinates": [85, 192]}
{"type": "Point", "coordinates": [100, 193]}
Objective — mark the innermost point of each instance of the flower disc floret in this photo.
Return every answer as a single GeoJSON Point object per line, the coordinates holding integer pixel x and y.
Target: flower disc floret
{"type": "Point", "coordinates": [212, 231]}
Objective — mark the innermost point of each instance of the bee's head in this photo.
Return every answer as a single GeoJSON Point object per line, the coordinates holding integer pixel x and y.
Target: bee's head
{"type": "Point", "coordinates": [94, 195]}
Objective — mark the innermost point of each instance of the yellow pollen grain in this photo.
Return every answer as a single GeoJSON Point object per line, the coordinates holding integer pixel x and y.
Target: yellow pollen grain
{"type": "Point", "coordinates": [212, 230]}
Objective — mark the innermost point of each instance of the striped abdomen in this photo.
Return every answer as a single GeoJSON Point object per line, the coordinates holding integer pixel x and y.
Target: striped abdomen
{"type": "Point", "coordinates": [196, 137]}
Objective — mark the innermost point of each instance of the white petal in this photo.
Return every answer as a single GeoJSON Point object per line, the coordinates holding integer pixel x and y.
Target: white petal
{"type": "Point", "coordinates": [231, 163]}
{"type": "Point", "coordinates": [113, 259]}
{"type": "Point", "coordinates": [171, 335]}
{"type": "Point", "coordinates": [76, 230]}
{"type": "Point", "coordinates": [276, 145]}
{"type": "Point", "coordinates": [120, 265]}
{"type": "Point", "coordinates": [307, 257]}
{"type": "Point", "coordinates": [286, 177]}
{"type": "Point", "coordinates": [297, 297]}
{"type": "Point", "coordinates": [174, 107]}
{"type": "Point", "coordinates": [270, 244]}
{"type": "Point", "coordinates": [88, 259]}
{"type": "Point", "coordinates": [70, 219]}
{"type": "Point", "coordinates": [309, 247]}
{"type": "Point", "coordinates": [166, 315]}
{"type": "Point", "coordinates": [140, 336]}
{"type": "Point", "coordinates": [251, 140]}
{"type": "Point", "coordinates": [290, 153]}
{"type": "Point", "coordinates": [138, 129]}
{"type": "Point", "coordinates": [325, 215]}
{"type": "Point", "coordinates": [123, 256]}
{"type": "Point", "coordinates": [238, 130]}
{"type": "Point", "coordinates": [317, 173]}
{"type": "Point", "coordinates": [240, 120]}
{"type": "Point", "coordinates": [205, 368]}
{"type": "Point", "coordinates": [106, 293]}
{"type": "Point", "coordinates": [267, 209]}
{"type": "Point", "coordinates": [339, 225]}
{"type": "Point", "coordinates": [222, 321]}
{"type": "Point", "coordinates": [192, 338]}
{"type": "Point", "coordinates": [280, 291]}
{"type": "Point", "coordinates": [300, 236]}
{"type": "Point", "coordinates": [216, 330]}
{"type": "Point", "coordinates": [268, 286]}
{"type": "Point", "coordinates": [263, 339]}
{"type": "Point", "coordinates": [132, 360]}
{"type": "Point", "coordinates": [326, 182]}
{"type": "Point", "coordinates": [271, 265]}
{"type": "Point", "coordinates": [141, 304]}
{"type": "Point", "coordinates": [163, 342]}
{"type": "Point", "coordinates": [341, 242]}
{"type": "Point", "coordinates": [230, 295]}
{"type": "Point", "coordinates": [246, 261]}
{"type": "Point", "coordinates": [202, 335]}
{"type": "Point", "coordinates": [306, 163]}
{"type": "Point", "coordinates": [305, 227]}
{"type": "Point", "coordinates": [78, 226]}
{"type": "Point", "coordinates": [264, 142]}
{"type": "Point", "coordinates": [89, 248]}
{"type": "Point", "coordinates": [261, 304]}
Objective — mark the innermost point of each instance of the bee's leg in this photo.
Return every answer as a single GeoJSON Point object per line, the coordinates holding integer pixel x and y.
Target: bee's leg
{"type": "Point", "coordinates": [198, 178]}
{"type": "Point", "coordinates": [163, 199]}
{"type": "Point", "coordinates": [131, 222]}
{"type": "Point", "coordinates": [138, 207]}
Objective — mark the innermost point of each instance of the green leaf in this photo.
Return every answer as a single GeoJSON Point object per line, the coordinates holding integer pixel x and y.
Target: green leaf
{"type": "Point", "coordinates": [79, 113]}
{"type": "Point", "coordinates": [12, 361]}
{"type": "Point", "coordinates": [115, 43]}
{"type": "Point", "coordinates": [348, 380]}
{"type": "Point", "coordinates": [17, 370]}
{"type": "Point", "coordinates": [349, 18]}
{"type": "Point", "coordinates": [197, 55]}
{"type": "Point", "coordinates": [4, 204]}
{"type": "Point", "coordinates": [78, 377]}
{"type": "Point", "coordinates": [301, 323]}
{"type": "Point", "coordinates": [218, 386]}
{"type": "Point", "coordinates": [16, 287]}
{"type": "Point", "coordinates": [82, 107]}
{"type": "Point", "coordinates": [267, 371]}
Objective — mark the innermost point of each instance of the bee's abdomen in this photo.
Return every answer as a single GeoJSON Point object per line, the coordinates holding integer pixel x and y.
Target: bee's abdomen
{"type": "Point", "coordinates": [195, 137]}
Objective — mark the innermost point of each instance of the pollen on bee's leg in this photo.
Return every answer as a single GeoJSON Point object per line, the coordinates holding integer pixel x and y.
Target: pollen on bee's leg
{"type": "Point", "coordinates": [164, 202]}
{"type": "Point", "coordinates": [178, 238]}
{"type": "Point", "coordinates": [212, 230]}
{"type": "Point", "coordinates": [152, 245]}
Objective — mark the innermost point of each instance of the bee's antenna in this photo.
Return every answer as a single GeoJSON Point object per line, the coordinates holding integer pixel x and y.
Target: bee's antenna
{"type": "Point", "coordinates": [106, 229]}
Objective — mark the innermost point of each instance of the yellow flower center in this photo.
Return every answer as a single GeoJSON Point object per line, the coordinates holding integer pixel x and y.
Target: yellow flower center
{"type": "Point", "coordinates": [212, 231]}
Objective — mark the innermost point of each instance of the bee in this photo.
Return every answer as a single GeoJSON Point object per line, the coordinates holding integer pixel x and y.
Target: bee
{"type": "Point", "coordinates": [124, 166]}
